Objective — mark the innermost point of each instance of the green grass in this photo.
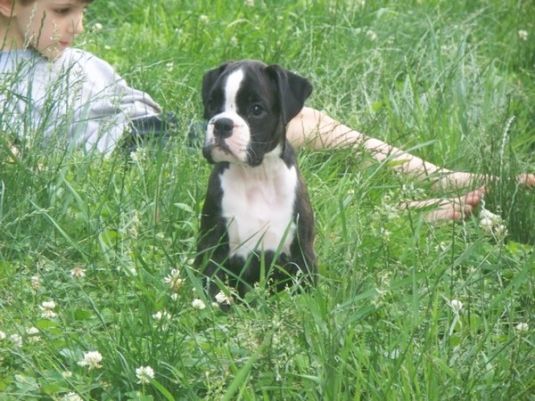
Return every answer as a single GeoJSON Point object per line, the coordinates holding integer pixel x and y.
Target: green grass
{"type": "Point", "coordinates": [453, 74]}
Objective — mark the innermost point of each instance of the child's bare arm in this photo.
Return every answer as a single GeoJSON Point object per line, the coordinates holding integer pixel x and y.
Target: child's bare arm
{"type": "Point", "coordinates": [317, 130]}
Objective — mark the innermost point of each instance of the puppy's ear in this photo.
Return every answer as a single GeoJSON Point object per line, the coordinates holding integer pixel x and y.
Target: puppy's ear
{"type": "Point", "coordinates": [293, 90]}
{"type": "Point", "coordinates": [208, 82]}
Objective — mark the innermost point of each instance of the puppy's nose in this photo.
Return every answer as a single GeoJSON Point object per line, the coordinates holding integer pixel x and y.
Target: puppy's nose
{"type": "Point", "coordinates": [223, 127]}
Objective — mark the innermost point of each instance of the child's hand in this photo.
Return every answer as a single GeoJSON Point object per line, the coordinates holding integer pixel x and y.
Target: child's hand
{"type": "Point", "coordinates": [526, 179]}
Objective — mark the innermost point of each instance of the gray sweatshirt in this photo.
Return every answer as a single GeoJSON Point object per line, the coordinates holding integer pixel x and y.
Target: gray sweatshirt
{"type": "Point", "coordinates": [77, 100]}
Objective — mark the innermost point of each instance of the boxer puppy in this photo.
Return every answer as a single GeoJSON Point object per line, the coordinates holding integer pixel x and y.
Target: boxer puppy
{"type": "Point", "coordinates": [257, 222]}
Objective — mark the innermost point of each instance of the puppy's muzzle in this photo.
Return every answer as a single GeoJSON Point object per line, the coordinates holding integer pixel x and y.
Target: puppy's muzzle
{"type": "Point", "coordinates": [223, 128]}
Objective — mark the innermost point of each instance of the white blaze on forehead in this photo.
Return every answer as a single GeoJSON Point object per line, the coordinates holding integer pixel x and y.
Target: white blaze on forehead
{"type": "Point", "coordinates": [232, 86]}
{"type": "Point", "coordinates": [238, 143]}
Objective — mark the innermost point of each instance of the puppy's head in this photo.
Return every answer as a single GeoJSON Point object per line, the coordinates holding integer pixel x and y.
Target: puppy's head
{"type": "Point", "coordinates": [248, 105]}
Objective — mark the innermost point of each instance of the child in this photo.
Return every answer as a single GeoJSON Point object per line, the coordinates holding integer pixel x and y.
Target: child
{"type": "Point", "coordinates": [67, 90]}
{"type": "Point", "coordinates": [61, 88]}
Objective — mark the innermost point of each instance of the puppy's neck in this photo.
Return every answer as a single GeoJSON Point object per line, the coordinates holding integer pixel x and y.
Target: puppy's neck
{"type": "Point", "coordinates": [273, 164]}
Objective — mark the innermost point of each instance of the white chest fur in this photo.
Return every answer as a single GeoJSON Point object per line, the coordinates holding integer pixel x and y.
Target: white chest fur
{"type": "Point", "coordinates": [258, 204]}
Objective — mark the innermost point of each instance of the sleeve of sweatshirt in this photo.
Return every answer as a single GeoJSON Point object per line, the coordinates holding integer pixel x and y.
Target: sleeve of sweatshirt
{"type": "Point", "coordinates": [110, 104]}
{"type": "Point", "coordinates": [114, 94]}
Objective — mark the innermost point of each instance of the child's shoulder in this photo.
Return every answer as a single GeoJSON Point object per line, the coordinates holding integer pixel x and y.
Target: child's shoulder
{"type": "Point", "coordinates": [72, 54]}
{"type": "Point", "coordinates": [13, 59]}
{"type": "Point", "coordinates": [92, 64]}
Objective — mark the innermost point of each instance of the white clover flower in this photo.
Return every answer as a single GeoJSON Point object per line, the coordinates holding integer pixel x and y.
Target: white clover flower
{"type": "Point", "coordinates": [32, 331]}
{"type": "Point", "coordinates": [2, 336]}
{"type": "Point", "coordinates": [222, 299]}
{"type": "Point", "coordinates": [48, 313]}
{"type": "Point", "coordinates": [144, 374]}
{"type": "Point", "coordinates": [78, 272]}
{"type": "Point", "coordinates": [204, 19]}
{"type": "Point", "coordinates": [36, 282]}
{"type": "Point", "coordinates": [71, 397]}
{"type": "Point", "coordinates": [67, 374]}
{"type": "Point", "coordinates": [161, 315]}
{"type": "Point", "coordinates": [139, 155]}
{"type": "Point", "coordinates": [371, 35]}
{"type": "Point", "coordinates": [91, 360]}
{"type": "Point", "coordinates": [47, 309]}
{"type": "Point", "coordinates": [173, 280]}
{"type": "Point", "coordinates": [523, 34]}
{"type": "Point", "coordinates": [48, 305]}
{"type": "Point", "coordinates": [134, 156]}
{"type": "Point", "coordinates": [234, 41]}
{"type": "Point", "coordinates": [394, 354]}
{"type": "Point", "coordinates": [492, 224]}
{"type": "Point", "coordinates": [486, 224]}
{"type": "Point", "coordinates": [174, 296]}
{"type": "Point", "coordinates": [442, 246]}
{"type": "Point", "coordinates": [384, 233]}
{"type": "Point", "coordinates": [97, 27]}
{"type": "Point", "coordinates": [16, 340]}
{"type": "Point", "coordinates": [456, 305]}
{"type": "Point", "coordinates": [522, 327]}
{"type": "Point", "coordinates": [198, 304]}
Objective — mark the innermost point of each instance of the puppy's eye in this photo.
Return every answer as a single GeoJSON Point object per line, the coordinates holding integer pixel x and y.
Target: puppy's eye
{"type": "Point", "coordinates": [256, 110]}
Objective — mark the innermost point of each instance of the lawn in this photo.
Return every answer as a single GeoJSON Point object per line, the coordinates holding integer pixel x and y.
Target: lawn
{"type": "Point", "coordinates": [98, 296]}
